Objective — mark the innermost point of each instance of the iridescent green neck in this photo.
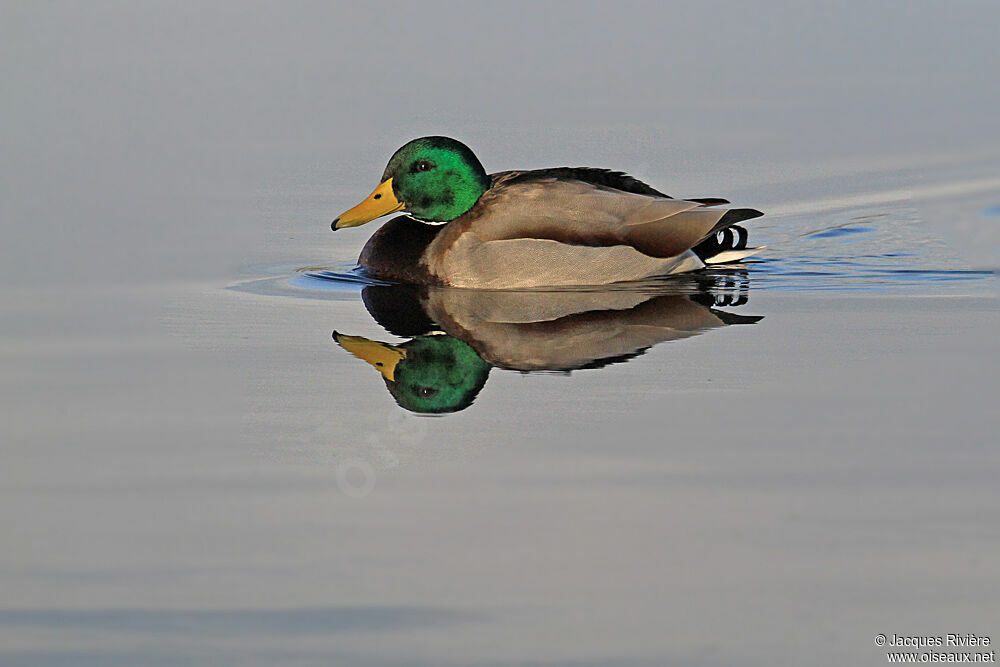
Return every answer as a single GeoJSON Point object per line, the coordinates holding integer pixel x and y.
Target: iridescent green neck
{"type": "Point", "coordinates": [436, 178]}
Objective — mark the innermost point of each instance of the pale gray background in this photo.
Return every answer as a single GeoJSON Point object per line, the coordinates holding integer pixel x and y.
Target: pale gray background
{"type": "Point", "coordinates": [767, 495]}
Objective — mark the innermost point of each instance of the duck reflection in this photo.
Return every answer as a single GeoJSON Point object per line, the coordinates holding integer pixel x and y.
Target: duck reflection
{"type": "Point", "coordinates": [459, 335]}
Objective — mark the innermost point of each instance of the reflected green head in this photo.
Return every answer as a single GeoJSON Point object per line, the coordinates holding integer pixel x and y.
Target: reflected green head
{"type": "Point", "coordinates": [439, 374]}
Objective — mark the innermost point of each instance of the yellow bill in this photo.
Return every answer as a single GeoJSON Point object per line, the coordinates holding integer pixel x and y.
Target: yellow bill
{"type": "Point", "coordinates": [380, 202]}
{"type": "Point", "coordinates": [382, 356]}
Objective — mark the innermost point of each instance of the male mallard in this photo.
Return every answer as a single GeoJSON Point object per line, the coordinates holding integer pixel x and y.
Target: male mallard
{"type": "Point", "coordinates": [538, 228]}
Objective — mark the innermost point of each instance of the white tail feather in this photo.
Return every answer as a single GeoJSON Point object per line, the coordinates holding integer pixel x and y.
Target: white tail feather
{"type": "Point", "coordinates": [728, 256]}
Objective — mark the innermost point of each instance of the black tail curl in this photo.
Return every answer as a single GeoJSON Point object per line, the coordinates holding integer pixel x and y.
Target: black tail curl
{"type": "Point", "coordinates": [730, 238]}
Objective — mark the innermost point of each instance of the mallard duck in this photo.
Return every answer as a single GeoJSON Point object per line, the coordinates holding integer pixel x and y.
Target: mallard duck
{"type": "Point", "coordinates": [540, 228]}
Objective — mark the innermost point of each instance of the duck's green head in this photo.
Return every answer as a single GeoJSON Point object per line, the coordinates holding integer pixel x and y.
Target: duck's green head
{"type": "Point", "coordinates": [430, 374]}
{"type": "Point", "coordinates": [434, 179]}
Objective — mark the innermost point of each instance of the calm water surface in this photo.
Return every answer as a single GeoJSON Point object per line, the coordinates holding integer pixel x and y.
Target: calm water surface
{"type": "Point", "coordinates": [205, 464]}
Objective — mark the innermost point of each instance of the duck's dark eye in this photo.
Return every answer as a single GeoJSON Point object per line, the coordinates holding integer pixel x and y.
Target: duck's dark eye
{"type": "Point", "coordinates": [426, 392]}
{"type": "Point", "coordinates": [423, 165]}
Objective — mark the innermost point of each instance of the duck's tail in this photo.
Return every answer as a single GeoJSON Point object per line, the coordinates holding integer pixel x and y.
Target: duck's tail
{"type": "Point", "coordinates": [728, 243]}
